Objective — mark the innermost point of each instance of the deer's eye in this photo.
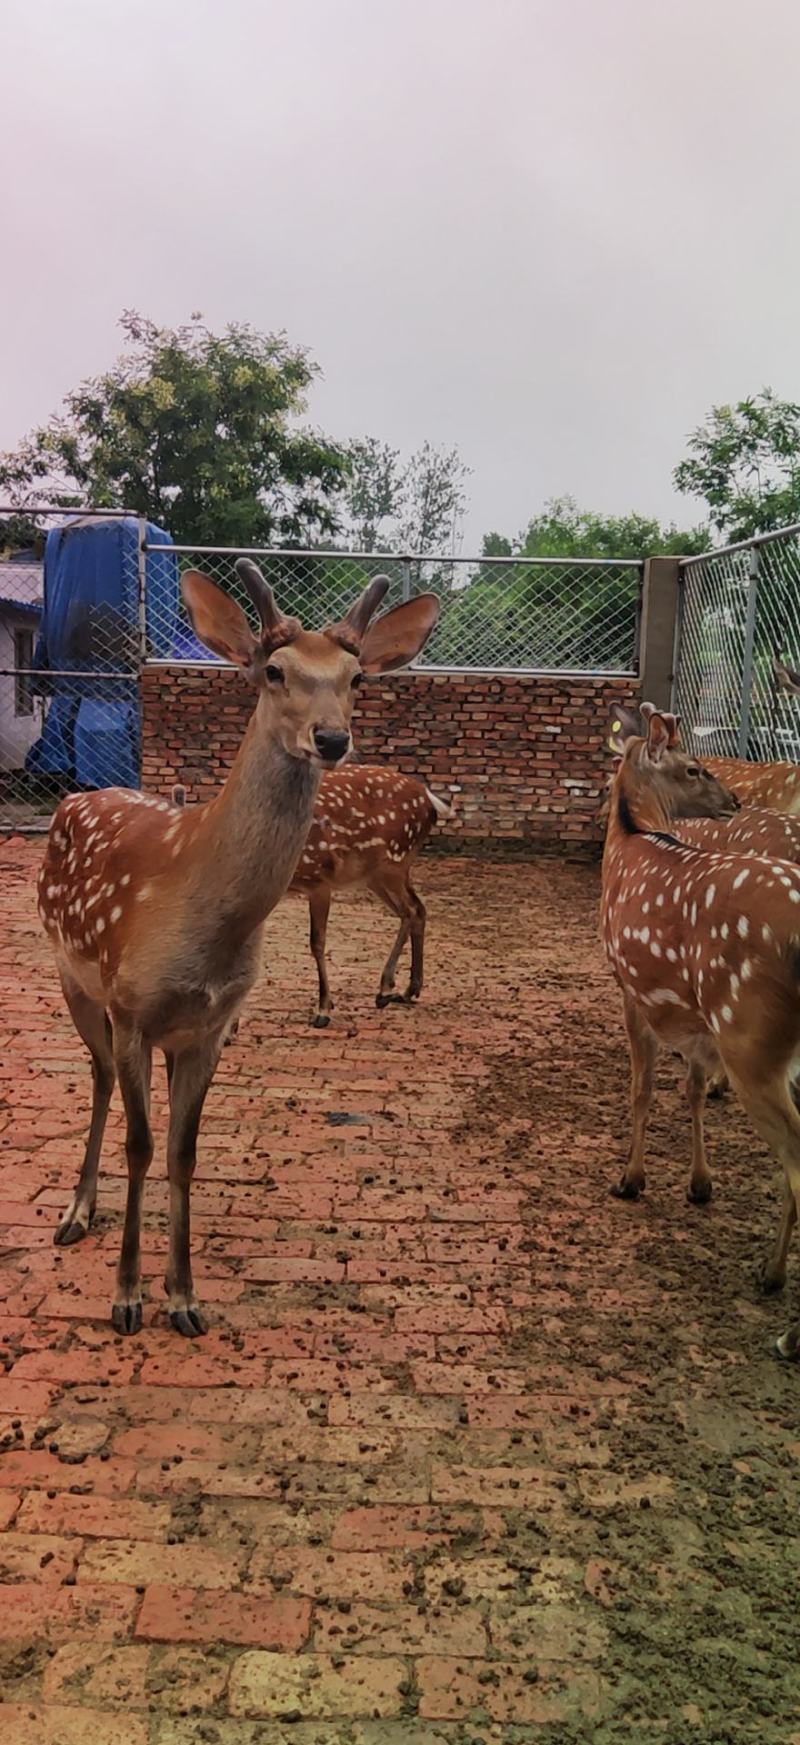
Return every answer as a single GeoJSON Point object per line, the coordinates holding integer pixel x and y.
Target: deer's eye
{"type": "Point", "coordinates": [356, 680]}
{"type": "Point", "coordinates": [274, 675]}
{"type": "Point", "coordinates": [692, 770]}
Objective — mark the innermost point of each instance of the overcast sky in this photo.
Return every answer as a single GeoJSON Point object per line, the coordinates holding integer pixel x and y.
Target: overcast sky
{"type": "Point", "coordinates": [554, 232]}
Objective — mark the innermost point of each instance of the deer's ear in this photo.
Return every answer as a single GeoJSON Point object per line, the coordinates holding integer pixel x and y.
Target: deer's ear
{"type": "Point", "coordinates": [218, 621]}
{"type": "Point", "coordinates": [658, 736]}
{"type": "Point", "coordinates": [399, 636]}
{"type": "Point", "coordinates": [623, 726]}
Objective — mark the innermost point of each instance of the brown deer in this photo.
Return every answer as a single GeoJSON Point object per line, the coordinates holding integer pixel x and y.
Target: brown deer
{"type": "Point", "coordinates": [367, 829]}
{"type": "Point", "coordinates": [156, 913]}
{"type": "Point", "coordinates": [706, 950]}
{"type": "Point", "coordinates": [716, 819]}
{"type": "Point", "coordinates": [369, 826]}
{"type": "Point", "coordinates": [775, 786]}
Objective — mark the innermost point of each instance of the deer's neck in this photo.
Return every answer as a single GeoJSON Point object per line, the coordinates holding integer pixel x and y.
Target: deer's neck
{"type": "Point", "coordinates": [251, 836]}
{"type": "Point", "coordinates": [630, 814]}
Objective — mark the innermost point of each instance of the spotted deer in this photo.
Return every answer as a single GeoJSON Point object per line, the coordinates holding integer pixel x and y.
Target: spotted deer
{"type": "Point", "coordinates": [155, 913]}
{"type": "Point", "coordinates": [369, 826]}
{"type": "Point", "coordinates": [774, 786]}
{"type": "Point", "coordinates": [724, 824]}
{"type": "Point", "coordinates": [705, 947]}
{"type": "Point", "coordinates": [716, 820]}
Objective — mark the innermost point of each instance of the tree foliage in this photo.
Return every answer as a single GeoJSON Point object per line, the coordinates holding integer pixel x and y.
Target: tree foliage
{"type": "Point", "coordinates": [411, 506]}
{"type": "Point", "coordinates": [561, 529]}
{"type": "Point", "coordinates": [374, 492]}
{"type": "Point", "coordinates": [433, 500]}
{"type": "Point", "coordinates": [518, 613]}
{"type": "Point", "coordinates": [197, 431]}
{"type": "Point", "coordinates": [744, 461]}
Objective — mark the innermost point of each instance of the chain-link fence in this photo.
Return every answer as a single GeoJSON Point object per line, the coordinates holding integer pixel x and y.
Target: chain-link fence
{"type": "Point", "coordinates": [502, 614]}
{"type": "Point", "coordinates": [739, 608]}
{"type": "Point", "coordinates": [84, 605]}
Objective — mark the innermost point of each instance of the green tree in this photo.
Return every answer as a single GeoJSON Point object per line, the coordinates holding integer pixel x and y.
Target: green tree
{"type": "Point", "coordinates": [195, 430]}
{"type": "Point", "coordinates": [744, 461]}
{"type": "Point", "coordinates": [433, 500]}
{"type": "Point", "coordinates": [374, 491]}
{"type": "Point", "coordinates": [561, 529]}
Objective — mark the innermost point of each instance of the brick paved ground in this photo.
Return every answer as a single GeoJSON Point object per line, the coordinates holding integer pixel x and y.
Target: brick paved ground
{"type": "Point", "coordinates": [472, 1452]}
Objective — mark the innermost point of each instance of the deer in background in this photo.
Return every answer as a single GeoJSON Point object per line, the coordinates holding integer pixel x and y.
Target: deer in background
{"type": "Point", "coordinates": [716, 819]}
{"type": "Point", "coordinates": [686, 788]}
{"type": "Point", "coordinates": [706, 950]}
{"type": "Point", "coordinates": [368, 827]}
{"type": "Point", "coordinates": [775, 786]}
{"type": "Point", "coordinates": [156, 913]}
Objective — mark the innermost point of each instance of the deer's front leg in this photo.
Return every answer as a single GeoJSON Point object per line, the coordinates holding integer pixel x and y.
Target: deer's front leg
{"type": "Point", "coordinates": [319, 904]}
{"type": "Point", "coordinates": [192, 1072]}
{"type": "Point", "coordinates": [133, 1061]}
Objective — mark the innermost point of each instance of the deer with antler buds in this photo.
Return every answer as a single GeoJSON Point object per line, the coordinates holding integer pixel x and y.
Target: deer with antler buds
{"type": "Point", "coordinates": [155, 913]}
{"type": "Point", "coordinates": [701, 810]}
{"type": "Point", "coordinates": [706, 950]}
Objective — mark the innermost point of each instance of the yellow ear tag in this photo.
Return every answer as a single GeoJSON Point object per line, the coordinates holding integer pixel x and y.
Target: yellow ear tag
{"type": "Point", "coordinates": [616, 727]}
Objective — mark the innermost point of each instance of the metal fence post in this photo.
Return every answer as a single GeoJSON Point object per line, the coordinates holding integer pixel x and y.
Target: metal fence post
{"type": "Point", "coordinates": [677, 647]}
{"type": "Point", "coordinates": [142, 587]}
{"type": "Point", "coordinates": [657, 638]}
{"type": "Point", "coordinates": [405, 578]}
{"type": "Point", "coordinates": [747, 653]}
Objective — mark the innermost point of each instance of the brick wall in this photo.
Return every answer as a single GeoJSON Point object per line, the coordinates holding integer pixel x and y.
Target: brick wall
{"type": "Point", "coordinates": [521, 756]}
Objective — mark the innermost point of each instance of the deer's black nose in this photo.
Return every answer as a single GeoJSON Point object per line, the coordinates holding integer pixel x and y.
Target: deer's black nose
{"type": "Point", "coordinates": [331, 744]}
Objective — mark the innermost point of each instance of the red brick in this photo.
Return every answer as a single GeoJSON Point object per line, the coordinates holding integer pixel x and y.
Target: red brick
{"type": "Point", "coordinates": [402, 1629]}
{"type": "Point", "coordinates": [389, 1529]}
{"type": "Point", "coordinates": [87, 1673]}
{"type": "Point", "coordinates": [201, 1442]}
{"type": "Point", "coordinates": [315, 1686]}
{"type": "Point", "coordinates": [133, 1561]}
{"type": "Point", "coordinates": [43, 1557]}
{"type": "Point", "coordinates": [321, 1573]}
{"type": "Point", "coordinates": [24, 1724]}
{"type": "Point", "coordinates": [93, 1517]}
{"type": "Point", "coordinates": [61, 1614]}
{"type": "Point", "coordinates": [137, 1676]}
{"type": "Point", "coordinates": [185, 1615]}
{"type": "Point", "coordinates": [9, 1504]}
{"type": "Point", "coordinates": [28, 1469]}
{"type": "Point", "coordinates": [25, 1399]}
{"type": "Point", "coordinates": [450, 1688]}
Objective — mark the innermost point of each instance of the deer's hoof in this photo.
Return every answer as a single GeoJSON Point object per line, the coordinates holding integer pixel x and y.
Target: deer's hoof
{"type": "Point", "coordinates": [627, 1190]}
{"type": "Point", "coordinates": [321, 1021]}
{"type": "Point", "coordinates": [127, 1318]}
{"type": "Point", "coordinates": [699, 1193]}
{"type": "Point", "coordinates": [771, 1283]}
{"type": "Point", "coordinates": [70, 1232]}
{"type": "Point", "coordinates": [189, 1322]}
{"type": "Point", "coordinates": [787, 1350]}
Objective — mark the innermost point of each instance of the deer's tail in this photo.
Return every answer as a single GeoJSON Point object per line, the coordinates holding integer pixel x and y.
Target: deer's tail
{"type": "Point", "coordinates": [441, 807]}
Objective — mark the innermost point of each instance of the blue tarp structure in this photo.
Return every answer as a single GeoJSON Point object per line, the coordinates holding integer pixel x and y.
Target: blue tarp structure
{"type": "Point", "coordinates": [90, 628]}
